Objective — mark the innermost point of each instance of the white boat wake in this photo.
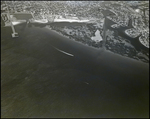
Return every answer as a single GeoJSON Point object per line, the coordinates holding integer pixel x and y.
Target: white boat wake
{"type": "Point", "coordinates": [64, 52]}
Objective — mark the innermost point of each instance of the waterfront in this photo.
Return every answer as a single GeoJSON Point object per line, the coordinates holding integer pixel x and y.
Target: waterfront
{"type": "Point", "coordinates": [61, 70]}
{"type": "Point", "coordinates": [119, 42]}
{"type": "Point", "coordinates": [39, 81]}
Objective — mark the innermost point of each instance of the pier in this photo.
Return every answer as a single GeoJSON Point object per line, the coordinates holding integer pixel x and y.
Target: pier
{"type": "Point", "coordinates": [8, 21]}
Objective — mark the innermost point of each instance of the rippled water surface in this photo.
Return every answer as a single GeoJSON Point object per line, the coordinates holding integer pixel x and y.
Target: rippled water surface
{"type": "Point", "coordinates": [39, 81]}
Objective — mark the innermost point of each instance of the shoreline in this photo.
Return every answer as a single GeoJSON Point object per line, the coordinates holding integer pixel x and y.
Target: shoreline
{"type": "Point", "coordinates": [100, 49]}
{"type": "Point", "coordinates": [35, 71]}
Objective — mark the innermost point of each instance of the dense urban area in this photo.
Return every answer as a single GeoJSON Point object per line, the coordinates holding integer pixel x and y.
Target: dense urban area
{"type": "Point", "coordinates": [122, 13]}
